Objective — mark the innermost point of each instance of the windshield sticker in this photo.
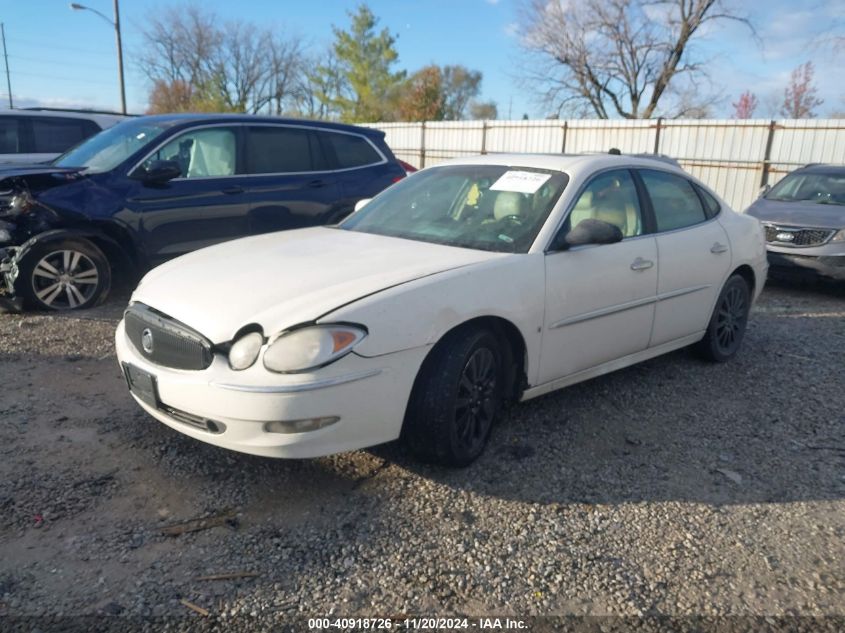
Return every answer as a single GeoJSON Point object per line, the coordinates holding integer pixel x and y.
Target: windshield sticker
{"type": "Point", "coordinates": [520, 181]}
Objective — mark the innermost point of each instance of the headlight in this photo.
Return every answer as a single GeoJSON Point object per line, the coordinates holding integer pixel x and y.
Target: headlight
{"type": "Point", "coordinates": [311, 347]}
{"type": "Point", "coordinates": [839, 237]}
{"type": "Point", "coordinates": [245, 350]}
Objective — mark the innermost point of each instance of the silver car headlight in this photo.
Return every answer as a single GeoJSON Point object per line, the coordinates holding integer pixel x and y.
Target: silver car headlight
{"type": "Point", "coordinates": [311, 347]}
{"type": "Point", "coordinates": [839, 237]}
{"type": "Point", "coordinates": [244, 351]}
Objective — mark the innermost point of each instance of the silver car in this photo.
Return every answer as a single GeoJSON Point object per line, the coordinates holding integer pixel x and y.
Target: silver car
{"type": "Point", "coordinates": [804, 220]}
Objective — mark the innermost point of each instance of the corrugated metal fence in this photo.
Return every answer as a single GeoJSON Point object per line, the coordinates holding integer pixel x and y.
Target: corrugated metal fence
{"type": "Point", "coordinates": [734, 157]}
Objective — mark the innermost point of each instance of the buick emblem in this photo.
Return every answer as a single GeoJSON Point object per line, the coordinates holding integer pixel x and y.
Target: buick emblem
{"type": "Point", "coordinates": [147, 341]}
{"type": "Point", "coordinates": [785, 237]}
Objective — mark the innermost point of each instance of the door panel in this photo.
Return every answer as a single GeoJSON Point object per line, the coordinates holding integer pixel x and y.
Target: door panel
{"type": "Point", "coordinates": [206, 205]}
{"type": "Point", "coordinates": [689, 279]}
{"type": "Point", "coordinates": [694, 256]}
{"type": "Point", "coordinates": [598, 308]}
{"type": "Point", "coordinates": [288, 180]}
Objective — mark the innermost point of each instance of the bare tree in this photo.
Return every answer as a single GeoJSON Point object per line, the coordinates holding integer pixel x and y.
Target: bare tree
{"type": "Point", "coordinates": [237, 64]}
{"type": "Point", "coordinates": [618, 57]}
{"type": "Point", "coordinates": [799, 97]}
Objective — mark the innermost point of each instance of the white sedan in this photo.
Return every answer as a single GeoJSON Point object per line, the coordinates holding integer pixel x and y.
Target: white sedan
{"type": "Point", "coordinates": [462, 289]}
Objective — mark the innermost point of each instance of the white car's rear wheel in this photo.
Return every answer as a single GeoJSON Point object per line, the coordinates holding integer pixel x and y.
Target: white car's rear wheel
{"type": "Point", "coordinates": [728, 321]}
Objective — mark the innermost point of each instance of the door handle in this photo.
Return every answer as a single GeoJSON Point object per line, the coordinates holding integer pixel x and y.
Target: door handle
{"type": "Point", "coordinates": [642, 264]}
{"type": "Point", "coordinates": [718, 248]}
{"type": "Point", "coordinates": [316, 184]}
{"type": "Point", "coordinates": [233, 189]}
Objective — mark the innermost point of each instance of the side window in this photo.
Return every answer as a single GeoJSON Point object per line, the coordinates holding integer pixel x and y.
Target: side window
{"type": "Point", "coordinates": [711, 205]}
{"type": "Point", "coordinates": [352, 150]}
{"type": "Point", "coordinates": [280, 150]}
{"type": "Point", "coordinates": [611, 197]}
{"type": "Point", "coordinates": [675, 203]}
{"type": "Point", "coordinates": [202, 153]}
{"type": "Point", "coordinates": [55, 135]}
{"type": "Point", "coordinates": [10, 135]}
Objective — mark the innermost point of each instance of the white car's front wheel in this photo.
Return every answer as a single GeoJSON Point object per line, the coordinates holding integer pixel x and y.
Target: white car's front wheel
{"type": "Point", "coordinates": [456, 399]}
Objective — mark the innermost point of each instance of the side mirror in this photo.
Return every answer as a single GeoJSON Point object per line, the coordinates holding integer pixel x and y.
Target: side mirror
{"type": "Point", "coordinates": [160, 171]}
{"type": "Point", "coordinates": [362, 203]}
{"type": "Point", "coordinates": [591, 231]}
{"type": "Point", "coordinates": [765, 189]}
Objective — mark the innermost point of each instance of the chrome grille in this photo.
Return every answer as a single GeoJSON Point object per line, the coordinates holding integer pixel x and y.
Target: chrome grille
{"type": "Point", "coordinates": [173, 345]}
{"type": "Point", "coordinates": [800, 237]}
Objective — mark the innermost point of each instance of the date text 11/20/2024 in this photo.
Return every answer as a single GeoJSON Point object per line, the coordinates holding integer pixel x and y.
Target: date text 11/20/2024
{"type": "Point", "coordinates": [416, 624]}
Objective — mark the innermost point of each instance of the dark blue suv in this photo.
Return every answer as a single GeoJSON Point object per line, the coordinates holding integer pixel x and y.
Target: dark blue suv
{"type": "Point", "coordinates": [156, 187]}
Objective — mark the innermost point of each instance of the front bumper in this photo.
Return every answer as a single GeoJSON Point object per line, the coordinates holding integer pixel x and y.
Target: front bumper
{"type": "Point", "coordinates": [832, 266]}
{"type": "Point", "coordinates": [369, 395]}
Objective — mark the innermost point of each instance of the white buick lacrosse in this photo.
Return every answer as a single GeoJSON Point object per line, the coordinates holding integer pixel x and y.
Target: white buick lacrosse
{"type": "Point", "coordinates": [456, 292]}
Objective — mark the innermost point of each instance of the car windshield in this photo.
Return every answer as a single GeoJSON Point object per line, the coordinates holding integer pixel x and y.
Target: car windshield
{"type": "Point", "coordinates": [824, 188]}
{"type": "Point", "coordinates": [487, 207]}
{"type": "Point", "coordinates": [106, 150]}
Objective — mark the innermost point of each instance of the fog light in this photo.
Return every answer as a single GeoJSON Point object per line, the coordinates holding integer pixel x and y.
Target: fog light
{"type": "Point", "coordinates": [300, 426]}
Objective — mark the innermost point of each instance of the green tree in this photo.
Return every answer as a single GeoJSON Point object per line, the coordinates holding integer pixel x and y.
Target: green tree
{"type": "Point", "coordinates": [460, 85]}
{"type": "Point", "coordinates": [480, 110]}
{"type": "Point", "coordinates": [367, 88]}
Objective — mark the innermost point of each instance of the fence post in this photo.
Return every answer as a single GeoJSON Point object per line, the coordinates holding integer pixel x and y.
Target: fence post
{"type": "Point", "coordinates": [657, 135]}
{"type": "Point", "coordinates": [764, 178]}
{"type": "Point", "coordinates": [484, 136]}
{"type": "Point", "coordinates": [565, 130]}
{"type": "Point", "coordinates": [422, 145]}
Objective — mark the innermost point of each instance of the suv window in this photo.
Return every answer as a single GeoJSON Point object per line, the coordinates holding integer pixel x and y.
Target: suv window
{"type": "Point", "coordinates": [10, 135]}
{"type": "Point", "coordinates": [53, 135]}
{"type": "Point", "coordinates": [611, 197]}
{"type": "Point", "coordinates": [675, 203]}
{"type": "Point", "coordinates": [352, 150]}
{"type": "Point", "coordinates": [275, 149]}
{"type": "Point", "coordinates": [201, 153]}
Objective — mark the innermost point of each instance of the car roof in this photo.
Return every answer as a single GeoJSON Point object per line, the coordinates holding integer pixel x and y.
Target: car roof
{"type": "Point", "coordinates": [822, 168]}
{"type": "Point", "coordinates": [109, 118]}
{"type": "Point", "coordinates": [571, 163]}
{"type": "Point", "coordinates": [191, 118]}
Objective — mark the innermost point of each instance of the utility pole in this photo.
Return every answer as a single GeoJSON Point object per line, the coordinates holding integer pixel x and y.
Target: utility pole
{"type": "Point", "coordinates": [6, 58]}
{"type": "Point", "coordinates": [119, 57]}
{"type": "Point", "coordinates": [116, 24]}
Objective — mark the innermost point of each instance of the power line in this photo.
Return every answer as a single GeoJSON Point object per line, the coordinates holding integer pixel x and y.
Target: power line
{"type": "Point", "coordinates": [40, 45]}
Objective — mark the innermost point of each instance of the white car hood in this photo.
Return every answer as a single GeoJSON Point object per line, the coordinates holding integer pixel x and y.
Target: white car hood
{"type": "Point", "coordinates": [283, 279]}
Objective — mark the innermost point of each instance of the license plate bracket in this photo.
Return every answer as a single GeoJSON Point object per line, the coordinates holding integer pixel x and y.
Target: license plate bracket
{"type": "Point", "coordinates": [142, 384]}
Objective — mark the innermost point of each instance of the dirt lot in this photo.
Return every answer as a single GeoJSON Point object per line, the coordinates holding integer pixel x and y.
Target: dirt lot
{"type": "Point", "coordinates": [674, 487]}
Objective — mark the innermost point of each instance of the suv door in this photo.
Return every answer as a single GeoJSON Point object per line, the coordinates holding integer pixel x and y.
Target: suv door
{"type": "Point", "coordinates": [206, 205]}
{"type": "Point", "coordinates": [600, 297]}
{"type": "Point", "coordinates": [288, 178]}
{"type": "Point", "coordinates": [694, 255]}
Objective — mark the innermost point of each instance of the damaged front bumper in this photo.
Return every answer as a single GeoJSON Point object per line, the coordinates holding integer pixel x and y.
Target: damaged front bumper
{"type": "Point", "coordinates": [8, 275]}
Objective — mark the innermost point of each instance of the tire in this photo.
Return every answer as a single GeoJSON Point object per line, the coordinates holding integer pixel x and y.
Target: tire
{"type": "Point", "coordinates": [68, 274]}
{"type": "Point", "coordinates": [727, 324]}
{"type": "Point", "coordinates": [456, 399]}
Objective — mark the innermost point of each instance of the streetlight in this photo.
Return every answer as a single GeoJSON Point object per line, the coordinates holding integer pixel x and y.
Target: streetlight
{"type": "Point", "coordinates": [116, 24]}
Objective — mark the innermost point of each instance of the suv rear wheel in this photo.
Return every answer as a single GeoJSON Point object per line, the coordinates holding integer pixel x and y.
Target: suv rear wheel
{"type": "Point", "coordinates": [67, 274]}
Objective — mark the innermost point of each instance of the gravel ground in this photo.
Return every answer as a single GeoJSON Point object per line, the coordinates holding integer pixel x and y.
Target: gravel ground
{"type": "Point", "coordinates": [675, 487]}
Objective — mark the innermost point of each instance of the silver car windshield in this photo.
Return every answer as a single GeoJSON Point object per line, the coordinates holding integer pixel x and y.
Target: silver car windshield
{"type": "Point", "coordinates": [106, 150]}
{"type": "Point", "coordinates": [486, 207]}
{"type": "Point", "coordinates": [813, 187]}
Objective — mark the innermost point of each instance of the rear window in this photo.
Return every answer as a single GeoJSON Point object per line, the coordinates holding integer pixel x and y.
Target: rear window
{"type": "Point", "coordinates": [711, 205]}
{"type": "Point", "coordinates": [352, 150]}
{"type": "Point", "coordinates": [56, 135]}
{"type": "Point", "coordinates": [279, 150]}
{"type": "Point", "coordinates": [10, 135]}
{"type": "Point", "coordinates": [675, 203]}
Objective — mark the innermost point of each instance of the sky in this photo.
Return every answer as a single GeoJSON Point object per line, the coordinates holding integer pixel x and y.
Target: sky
{"type": "Point", "coordinates": [64, 58]}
